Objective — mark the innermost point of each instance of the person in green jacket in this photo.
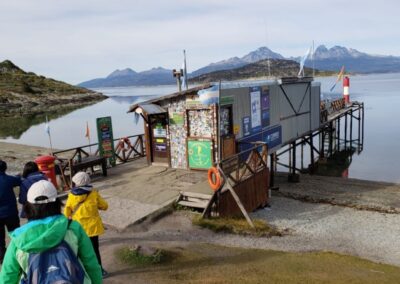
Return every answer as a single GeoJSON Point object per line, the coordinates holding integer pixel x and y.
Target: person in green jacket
{"type": "Point", "coordinates": [46, 228]}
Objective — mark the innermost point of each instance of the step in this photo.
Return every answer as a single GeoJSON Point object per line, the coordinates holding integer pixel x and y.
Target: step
{"type": "Point", "coordinates": [201, 205]}
{"type": "Point", "coordinates": [196, 195]}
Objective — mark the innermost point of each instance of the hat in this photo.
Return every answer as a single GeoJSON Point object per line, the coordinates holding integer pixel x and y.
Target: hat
{"type": "Point", "coordinates": [44, 189]}
{"type": "Point", "coordinates": [81, 179]}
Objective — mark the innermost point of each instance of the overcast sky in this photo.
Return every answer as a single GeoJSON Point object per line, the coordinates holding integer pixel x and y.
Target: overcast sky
{"type": "Point", "coordinates": [78, 40]}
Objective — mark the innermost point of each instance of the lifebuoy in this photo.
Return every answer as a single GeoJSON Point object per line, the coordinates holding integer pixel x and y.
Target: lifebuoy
{"type": "Point", "coordinates": [214, 178]}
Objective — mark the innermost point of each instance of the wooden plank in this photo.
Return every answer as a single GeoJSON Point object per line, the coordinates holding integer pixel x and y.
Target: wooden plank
{"type": "Point", "coordinates": [196, 195]}
{"type": "Point", "coordinates": [201, 205]}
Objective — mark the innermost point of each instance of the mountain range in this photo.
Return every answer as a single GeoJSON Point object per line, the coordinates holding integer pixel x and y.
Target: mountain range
{"type": "Point", "coordinates": [331, 59]}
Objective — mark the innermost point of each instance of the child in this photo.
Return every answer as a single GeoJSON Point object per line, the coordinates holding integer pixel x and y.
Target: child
{"type": "Point", "coordinates": [46, 229]}
{"type": "Point", "coordinates": [83, 205]}
{"type": "Point", "coordinates": [30, 175]}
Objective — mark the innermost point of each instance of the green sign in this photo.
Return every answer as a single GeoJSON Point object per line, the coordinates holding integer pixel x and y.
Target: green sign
{"type": "Point", "coordinates": [200, 154]}
{"type": "Point", "coordinates": [105, 137]}
{"type": "Point", "coordinates": [226, 100]}
{"type": "Point", "coordinates": [176, 118]}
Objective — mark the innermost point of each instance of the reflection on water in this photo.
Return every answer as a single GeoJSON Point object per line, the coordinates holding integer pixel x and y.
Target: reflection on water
{"type": "Point", "coordinates": [68, 127]}
{"type": "Point", "coordinates": [336, 165]}
{"type": "Point", "coordinates": [14, 126]}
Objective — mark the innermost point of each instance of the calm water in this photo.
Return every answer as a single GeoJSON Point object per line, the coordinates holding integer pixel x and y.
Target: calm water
{"type": "Point", "coordinates": [380, 159]}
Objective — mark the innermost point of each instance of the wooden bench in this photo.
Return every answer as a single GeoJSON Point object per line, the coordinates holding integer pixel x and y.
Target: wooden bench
{"type": "Point", "coordinates": [89, 162]}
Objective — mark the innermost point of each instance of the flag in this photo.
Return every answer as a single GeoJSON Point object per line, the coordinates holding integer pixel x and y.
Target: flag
{"type": "Point", "coordinates": [87, 134]}
{"type": "Point", "coordinates": [209, 96]}
{"type": "Point", "coordinates": [47, 126]}
{"type": "Point", "coordinates": [340, 76]}
{"type": "Point", "coordinates": [303, 61]}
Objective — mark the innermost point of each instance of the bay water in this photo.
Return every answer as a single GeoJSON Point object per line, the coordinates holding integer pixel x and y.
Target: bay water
{"type": "Point", "coordinates": [379, 160]}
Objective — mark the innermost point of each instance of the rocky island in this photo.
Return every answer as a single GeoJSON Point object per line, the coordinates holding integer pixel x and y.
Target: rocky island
{"type": "Point", "coordinates": [26, 99]}
{"type": "Point", "coordinates": [25, 93]}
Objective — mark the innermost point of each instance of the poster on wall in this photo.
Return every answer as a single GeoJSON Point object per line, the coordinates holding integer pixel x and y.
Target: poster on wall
{"type": "Point", "coordinates": [255, 111]}
{"type": "Point", "coordinates": [176, 118]}
{"type": "Point", "coordinates": [200, 154]}
{"type": "Point", "coordinates": [265, 107]}
{"type": "Point", "coordinates": [246, 126]}
{"type": "Point", "coordinates": [105, 138]}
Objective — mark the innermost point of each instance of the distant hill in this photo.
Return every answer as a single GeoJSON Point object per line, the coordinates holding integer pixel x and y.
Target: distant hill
{"type": "Point", "coordinates": [27, 93]}
{"type": "Point", "coordinates": [278, 68]}
{"type": "Point", "coordinates": [353, 60]}
{"type": "Point", "coordinates": [325, 59]}
{"type": "Point", "coordinates": [236, 62]}
{"type": "Point", "coordinates": [128, 77]}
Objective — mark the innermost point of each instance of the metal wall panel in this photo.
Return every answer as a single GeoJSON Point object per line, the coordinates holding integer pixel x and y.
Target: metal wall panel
{"type": "Point", "coordinates": [315, 106]}
{"type": "Point", "coordinates": [286, 101]}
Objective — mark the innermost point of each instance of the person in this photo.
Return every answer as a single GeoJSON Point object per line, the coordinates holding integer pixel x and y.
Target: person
{"type": "Point", "coordinates": [30, 175]}
{"type": "Point", "coordinates": [8, 206]}
{"type": "Point", "coordinates": [46, 229]}
{"type": "Point", "coordinates": [83, 205]}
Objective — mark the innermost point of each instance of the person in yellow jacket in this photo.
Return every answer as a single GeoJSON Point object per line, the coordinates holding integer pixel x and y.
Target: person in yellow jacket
{"type": "Point", "coordinates": [83, 205]}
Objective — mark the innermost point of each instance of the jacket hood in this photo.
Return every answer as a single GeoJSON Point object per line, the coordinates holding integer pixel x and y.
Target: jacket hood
{"type": "Point", "coordinates": [40, 235]}
{"type": "Point", "coordinates": [82, 190]}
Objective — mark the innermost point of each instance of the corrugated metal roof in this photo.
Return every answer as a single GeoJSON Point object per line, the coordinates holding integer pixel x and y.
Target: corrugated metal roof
{"type": "Point", "coordinates": [151, 108]}
{"type": "Point", "coordinates": [190, 91]}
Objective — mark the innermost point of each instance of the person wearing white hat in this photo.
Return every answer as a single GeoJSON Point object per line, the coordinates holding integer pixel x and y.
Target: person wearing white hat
{"type": "Point", "coordinates": [83, 205]}
{"type": "Point", "coordinates": [46, 229]}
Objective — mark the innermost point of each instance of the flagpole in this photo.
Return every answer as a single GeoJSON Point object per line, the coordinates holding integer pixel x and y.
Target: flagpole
{"type": "Point", "coordinates": [48, 133]}
{"type": "Point", "coordinates": [87, 134]}
{"type": "Point", "coordinates": [185, 70]}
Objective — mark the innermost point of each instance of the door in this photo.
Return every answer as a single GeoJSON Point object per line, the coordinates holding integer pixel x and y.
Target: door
{"type": "Point", "coordinates": [158, 133]}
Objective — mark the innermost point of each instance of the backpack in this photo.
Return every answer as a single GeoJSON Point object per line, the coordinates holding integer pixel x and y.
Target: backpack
{"type": "Point", "coordinates": [58, 265]}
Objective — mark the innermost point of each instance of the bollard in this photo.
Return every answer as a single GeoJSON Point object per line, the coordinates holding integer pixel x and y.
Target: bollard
{"type": "Point", "coordinates": [46, 166]}
{"type": "Point", "coordinates": [346, 94]}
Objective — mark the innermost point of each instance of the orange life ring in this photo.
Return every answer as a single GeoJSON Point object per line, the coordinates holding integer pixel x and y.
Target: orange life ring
{"type": "Point", "coordinates": [214, 178]}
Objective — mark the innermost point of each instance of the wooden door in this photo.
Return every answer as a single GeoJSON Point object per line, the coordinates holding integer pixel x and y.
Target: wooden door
{"type": "Point", "coordinates": [158, 133]}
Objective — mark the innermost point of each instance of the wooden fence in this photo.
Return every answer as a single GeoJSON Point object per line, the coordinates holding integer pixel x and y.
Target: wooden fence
{"type": "Point", "coordinates": [69, 161]}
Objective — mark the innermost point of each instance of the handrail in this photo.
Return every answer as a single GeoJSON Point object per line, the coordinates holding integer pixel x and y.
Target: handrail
{"type": "Point", "coordinates": [94, 144]}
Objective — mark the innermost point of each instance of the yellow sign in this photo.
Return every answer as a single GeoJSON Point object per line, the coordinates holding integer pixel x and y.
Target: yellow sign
{"type": "Point", "coordinates": [236, 129]}
{"type": "Point", "coordinates": [159, 140]}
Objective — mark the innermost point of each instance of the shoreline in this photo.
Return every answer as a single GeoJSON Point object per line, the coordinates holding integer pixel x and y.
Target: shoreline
{"type": "Point", "coordinates": [16, 155]}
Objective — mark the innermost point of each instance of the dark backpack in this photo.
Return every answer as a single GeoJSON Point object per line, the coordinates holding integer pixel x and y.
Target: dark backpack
{"type": "Point", "coordinates": [58, 265]}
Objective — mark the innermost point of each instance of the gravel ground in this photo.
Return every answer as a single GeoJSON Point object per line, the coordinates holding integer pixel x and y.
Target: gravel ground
{"type": "Point", "coordinates": [370, 235]}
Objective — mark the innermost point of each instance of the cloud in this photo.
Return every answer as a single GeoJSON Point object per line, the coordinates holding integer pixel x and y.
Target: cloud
{"type": "Point", "coordinates": [79, 40]}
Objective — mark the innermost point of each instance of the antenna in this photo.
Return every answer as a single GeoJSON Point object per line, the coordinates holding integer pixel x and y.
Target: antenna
{"type": "Point", "coordinates": [266, 41]}
{"type": "Point", "coordinates": [312, 58]}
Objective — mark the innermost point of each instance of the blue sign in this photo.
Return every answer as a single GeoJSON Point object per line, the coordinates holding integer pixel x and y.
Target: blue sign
{"type": "Point", "coordinates": [273, 136]}
{"type": "Point", "coordinates": [246, 126]}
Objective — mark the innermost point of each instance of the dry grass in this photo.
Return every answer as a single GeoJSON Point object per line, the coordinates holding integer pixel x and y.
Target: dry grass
{"type": "Point", "coordinates": [204, 263]}
{"type": "Point", "coordinates": [237, 226]}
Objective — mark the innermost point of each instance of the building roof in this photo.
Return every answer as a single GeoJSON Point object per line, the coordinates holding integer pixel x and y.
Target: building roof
{"type": "Point", "coordinates": [153, 102]}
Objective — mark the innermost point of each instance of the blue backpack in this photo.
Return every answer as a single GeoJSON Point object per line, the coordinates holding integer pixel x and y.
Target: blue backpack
{"type": "Point", "coordinates": [58, 265]}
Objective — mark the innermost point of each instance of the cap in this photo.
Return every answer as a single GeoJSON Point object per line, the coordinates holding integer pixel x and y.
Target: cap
{"type": "Point", "coordinates": [81, 179]}
{"type": "Point", "coordinates": [44, 189]}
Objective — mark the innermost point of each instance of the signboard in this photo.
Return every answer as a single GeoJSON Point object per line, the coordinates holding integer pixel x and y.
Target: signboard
{"type": "Point", "coordinates": [200, 154]}
{"type": "Point", "coordinates": [176, 118]}
{"type": "Point", "coordinates": [265, 107]}
{"type": "Point", "coordinates": [246, 126]}
{"type": "Point", "coordinates": [105, 138]}
{"type": "Point", "coordinates": [255, 111]}
{"type": "Point", "coordinates": [273, 136]}
{"type": "Point", "coordinates": [227, 100]}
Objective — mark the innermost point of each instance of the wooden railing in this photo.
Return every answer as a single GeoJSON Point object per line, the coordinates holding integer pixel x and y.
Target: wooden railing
{"type": "Point", "coordinates": [71, 160]}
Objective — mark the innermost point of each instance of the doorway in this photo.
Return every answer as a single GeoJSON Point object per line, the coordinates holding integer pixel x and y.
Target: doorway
{"type": "Point", "coordinates": [158, 137]}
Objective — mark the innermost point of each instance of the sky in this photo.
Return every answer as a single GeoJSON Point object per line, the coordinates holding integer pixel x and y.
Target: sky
{"type": "Point", "coordinates": [79, 40]}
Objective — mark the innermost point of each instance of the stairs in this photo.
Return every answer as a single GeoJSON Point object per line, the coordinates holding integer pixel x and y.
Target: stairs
{"type": "Point", "coordinates": [193, 199]}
